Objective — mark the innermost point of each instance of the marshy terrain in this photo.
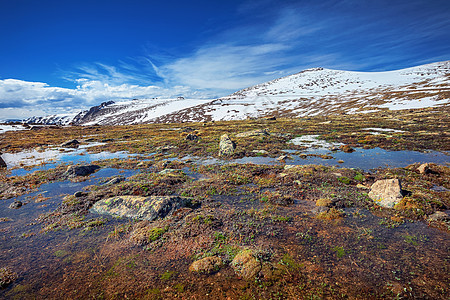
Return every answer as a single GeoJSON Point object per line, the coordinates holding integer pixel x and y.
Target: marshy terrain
{"type": "Point", "coordinates": [337, 207]}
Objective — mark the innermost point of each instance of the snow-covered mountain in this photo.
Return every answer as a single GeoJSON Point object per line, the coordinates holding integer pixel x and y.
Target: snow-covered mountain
{"type": "Point", "coordinates": [62, 119]}
{"type": "Point", "coordinates": [311, 92]}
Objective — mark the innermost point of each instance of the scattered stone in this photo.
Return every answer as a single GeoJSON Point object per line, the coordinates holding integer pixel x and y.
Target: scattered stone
{"type": "Point", "coordinates": [187, 129]}
{"type": "Point", "coordinates": [115, 180]}
{"type": "Point", "coordinates": [192, 137]}
{"type": "Point", "coordinates": [340, 161]}
{"type": "Point", "coordinates": [319, 209]}
{"type": "Point", "coordinates": [424, 168]}
{"type": "Point", "coordinates": [89, 140]}
{"type": "Point", "coordinates": [256, 132]}
{"type": "Point", "coordinates": [2, 162]}
{"type": "Point", "coordinates": [271, 119]}
{"type": "Point", "coordinates": [70, 144]}
{"type": "Point", "coordinates": [386, 193]}
{"type": "Point", "coordinates": [40, 149]}
{"type": "Point", "coordinates": [226, 145]}
{"type": "Point", "coordinates": [138, 207]}
{"type": "Point", "coordinates": [16, 204]}
{"type": "Point", "coordinates": [282, 157]}
{"type": "Point", "coordinates": [263, 152]}
{"type": "Point", "coordinates": [334, 148]}
{"type": "Point", "coordinates": [168, 171]}
{"type": "Point", "coordinates": [107, 140]}
{"type": "Point", "coordinates": [246, 265]}
{"type": "Point", "coordinates": [438, 216]}
{"type": "Point", "coordinates": [74, 171]}
{"type": "Point", "coordinates": [207, 265]}
{"type": "Point", "coordinates": [347, 149]}
{"type": "Point", "coordinates": [440, 189]}
{"type": "Point", "coordinates": [79, 194]}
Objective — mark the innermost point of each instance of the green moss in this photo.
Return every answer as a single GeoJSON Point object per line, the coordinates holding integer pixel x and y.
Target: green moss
{"type": "Point", "coordinates": [167, 275]}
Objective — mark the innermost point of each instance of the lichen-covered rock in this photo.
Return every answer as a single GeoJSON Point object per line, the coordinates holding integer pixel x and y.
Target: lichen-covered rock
{"type": "Point", "coordinates": [74, 171]}
{"type": "Point", "coordinates": [138, 207]}
{"type": "Point", "coordinates": [7, 276]}
{"type": "Point", "coordinates": [226, 145]}
{"type": "Point", "coordinates": [207, 265]}
{"type": "Point", "coordinates": [386, 193]}
{"type": "Point", "coordinates": [246, 265]}
{"type": "Point", "coordinates": [256, 132]}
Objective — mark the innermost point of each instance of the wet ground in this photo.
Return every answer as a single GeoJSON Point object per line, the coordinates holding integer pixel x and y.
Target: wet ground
{"type": "Point", "coordinates": [349, 249]}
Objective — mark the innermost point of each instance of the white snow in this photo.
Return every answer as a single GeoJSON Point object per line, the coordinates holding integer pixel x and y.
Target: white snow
{"type": "Point", "coordinates": [313, 141]}
{"type": "Point", "coordinates": [5, 128]}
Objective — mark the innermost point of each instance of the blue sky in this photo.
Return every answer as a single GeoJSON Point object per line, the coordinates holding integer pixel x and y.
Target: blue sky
{"type": "Point", "coordinates": [58, 56]}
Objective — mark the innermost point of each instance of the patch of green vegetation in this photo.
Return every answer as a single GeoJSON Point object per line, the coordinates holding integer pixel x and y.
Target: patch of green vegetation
{"type": "Point", "coordinates": [359, 177]}
{"type": "Point", "coordinates": [344, 180]}
{"type": "Point", "coordinates": [167, 275]}
{"type": "Point", "coordinates": [60, 253]}
{"type": "Point", "coordinates": [414, 240]}
{"type": "Point", "coordinates": [281, 218]}
{"type": "Point", "coordinates": [156, 232]}
{"type": "Point", "coordinates": [340, 251]}
{"type": "Point", "coordinates": [289, 262]}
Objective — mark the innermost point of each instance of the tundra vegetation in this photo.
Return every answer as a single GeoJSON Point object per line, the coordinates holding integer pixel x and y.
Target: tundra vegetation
{"type": "Point", "coordinates": [241, 230]}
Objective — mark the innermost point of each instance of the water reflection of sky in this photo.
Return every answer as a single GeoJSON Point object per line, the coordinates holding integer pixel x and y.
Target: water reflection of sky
{"type": "Point", "coordinates": [364, 159]}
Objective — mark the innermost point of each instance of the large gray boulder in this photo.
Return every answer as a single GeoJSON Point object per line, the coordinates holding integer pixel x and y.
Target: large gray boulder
{"type": "Point", "coordinates": [386, 193]}
{"type": "Point", "coordinates": [70, 144]}
{"type": "Point", "coordinates": [138, 207]}
{"type": "Point", "coordinates": [226, 145]}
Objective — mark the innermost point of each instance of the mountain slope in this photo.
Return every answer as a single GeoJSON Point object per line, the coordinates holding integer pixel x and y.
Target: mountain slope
{"type": "Point", "coordinates": [311, 92]}
{"type": "Point", "coordinates": [322, 91]}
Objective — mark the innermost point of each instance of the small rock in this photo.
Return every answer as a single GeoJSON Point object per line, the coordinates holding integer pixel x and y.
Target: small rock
{"type": "Point", "coordinates": [263, 152]}
{"type": "Point", "coordinates": [246, 265]}
{"type": "Point", "coordinates": [340, 161]}
{"type": "Point", "coordinates": [74, 171]}
{"type": "Point", "coordinates": [226, 145]}
{"type": "Point", "coordinates": [334, 148]}
{"type": "Point", "coordinates": [438, 216]}
{"type": "Point", "coordinates": [282, 157]}
{"type": "Point", "coordinates": [319, 209]}
{"type": "Point", "coordinates": [386, 193]}
{"type": "Point", "coordinates": [347, 149]}
{"type": "Point", "coordinates": [187, 129]}
{"type": "Point", "coordinates": [15, 205]}
{"type": "Point", "coordinates": [270, 119]}
{"type": "Point", "coordinates": [2, 162]}
{"type": "Point", "coordinates": [71, 144]}
{"type": "Point", "coordinates": [115, 180]}
{"type": "Point", "coordinates": [192, 137]}
{"type": "Point", "coordinates": [207, 265]}
{"type": "Point", "coordinates": [79, 194]}
{"type": "Point", "coordinates": [424, 168]}
{"type": "Point", "coordinates": [439, 189]}
{"type": "Point", "coordinates": [107, 140]}
{"type": "Point", "coordinates": [168, 171]}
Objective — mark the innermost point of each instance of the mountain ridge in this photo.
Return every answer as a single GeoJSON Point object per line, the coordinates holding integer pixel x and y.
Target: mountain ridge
{"type": "Point", "coordinates": [315, 91]}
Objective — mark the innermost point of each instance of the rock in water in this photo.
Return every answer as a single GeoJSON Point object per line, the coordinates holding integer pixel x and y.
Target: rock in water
{"type": "Point", "coordinates": [138, 207]}
{"type": "Point", "coordinates": [386, 193]}
{"type": "Point", "coordinates": [74, 171]}
{"type": "Point", "coordinates": [207, 265]}
{"type": "Point", "coordinates": [2, 162]}
{"type": "Point", "coordinates": [226, 145]}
